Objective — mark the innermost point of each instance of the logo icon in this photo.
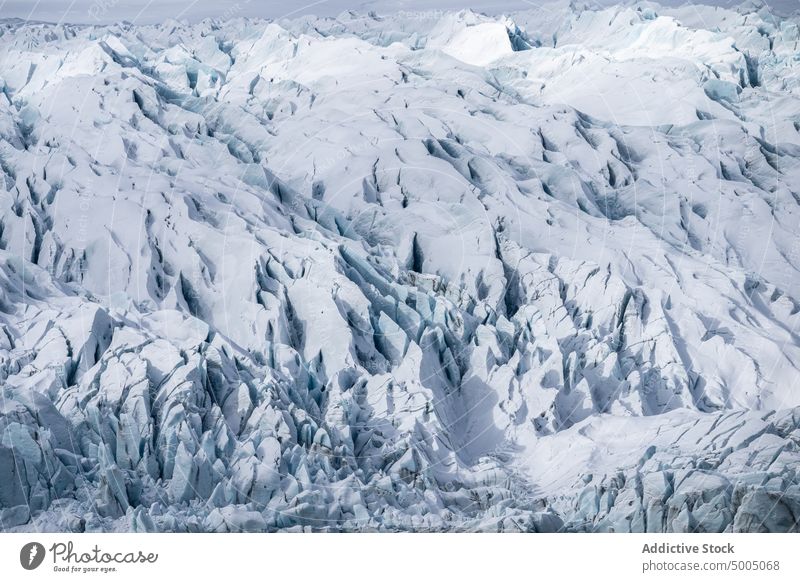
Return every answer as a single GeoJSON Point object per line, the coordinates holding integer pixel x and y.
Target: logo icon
{"type": "Point", "coordinates": [31, 555]}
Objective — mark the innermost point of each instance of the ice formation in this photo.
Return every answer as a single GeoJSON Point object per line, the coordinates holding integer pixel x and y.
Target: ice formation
{"type": "Point", "coordinates": [535, 272]}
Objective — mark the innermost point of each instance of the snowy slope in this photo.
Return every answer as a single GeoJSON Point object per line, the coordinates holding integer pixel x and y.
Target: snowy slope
{"type": "Point", "coordinates": [534, 272]}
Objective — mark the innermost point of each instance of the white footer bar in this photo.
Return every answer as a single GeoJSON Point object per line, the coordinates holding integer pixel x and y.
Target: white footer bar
{"type": "Point", "coordinates": [349, 557]}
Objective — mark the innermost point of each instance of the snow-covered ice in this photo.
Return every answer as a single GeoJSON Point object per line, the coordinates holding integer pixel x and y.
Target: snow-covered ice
{"type": "Point", "coordinates": [528, 272]}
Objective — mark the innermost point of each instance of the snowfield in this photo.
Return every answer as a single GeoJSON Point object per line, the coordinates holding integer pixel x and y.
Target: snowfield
{"type": "Point", "coordinates": [424, 271]}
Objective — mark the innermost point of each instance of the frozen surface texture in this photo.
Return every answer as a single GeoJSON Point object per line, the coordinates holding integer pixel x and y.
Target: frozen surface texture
{"type": "Point", "coordinates": [431, 271]}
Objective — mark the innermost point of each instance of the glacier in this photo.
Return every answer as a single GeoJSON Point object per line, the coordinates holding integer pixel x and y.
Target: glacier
{"type": "Point", "coordinates": [429, 271]}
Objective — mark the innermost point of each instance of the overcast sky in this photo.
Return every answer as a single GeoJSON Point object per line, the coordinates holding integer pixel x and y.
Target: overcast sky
{"type": "Point", "coordinates": [148, 11]}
